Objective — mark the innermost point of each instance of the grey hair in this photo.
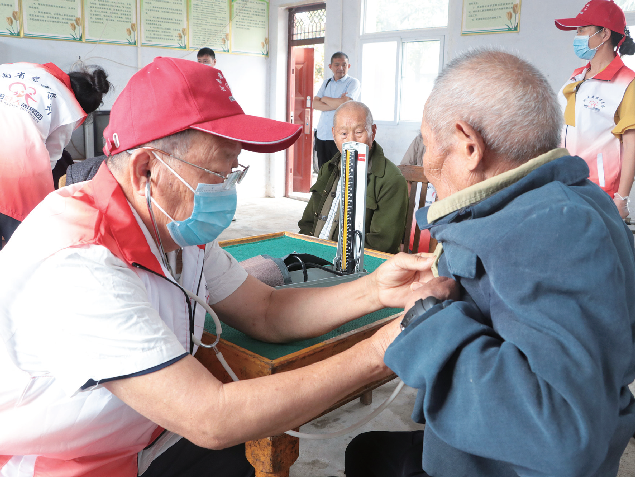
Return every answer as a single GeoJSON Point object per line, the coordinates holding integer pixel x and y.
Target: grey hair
{"type": "Point", "coordinates": [176, 144]}
{"type": "Point", "coordinates": [355, 105]}
{"type": "Point", "coordinates": [503, 97]}
{"type": "Point", "coordinates": [339, 54]}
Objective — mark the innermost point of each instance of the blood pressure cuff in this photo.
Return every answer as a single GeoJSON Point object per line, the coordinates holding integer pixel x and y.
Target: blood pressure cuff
{"type": "Point", "coordinates": [275, 271]}
{"type": "Point", "coordinates": [267, 269]}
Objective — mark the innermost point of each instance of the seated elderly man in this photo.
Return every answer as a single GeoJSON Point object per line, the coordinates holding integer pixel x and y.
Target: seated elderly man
{"type": "Point", "coordinates": [386, 193]}
{"type": "Point", "coordinates": [528, 373]}
{"type": "Point", "coordinates": [97, 333]}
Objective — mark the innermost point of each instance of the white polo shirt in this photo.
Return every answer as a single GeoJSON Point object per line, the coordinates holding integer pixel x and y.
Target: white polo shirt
{"type": "Point", "coordinates": [334, 89]}
{"type": "Point", "coordinates": [75, 312]}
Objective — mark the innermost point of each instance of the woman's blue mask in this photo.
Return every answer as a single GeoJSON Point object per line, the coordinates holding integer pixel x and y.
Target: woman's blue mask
{"type": "Point", "coordinates": [581, 47]}
{"type": "Point", "coordinates": [214, 209]}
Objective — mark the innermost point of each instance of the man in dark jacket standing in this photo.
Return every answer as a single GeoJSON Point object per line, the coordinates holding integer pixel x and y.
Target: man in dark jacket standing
{"type": "Point", "coordinates": [528, 373]}
{"type": "Point", "coordinates": [386, 191]}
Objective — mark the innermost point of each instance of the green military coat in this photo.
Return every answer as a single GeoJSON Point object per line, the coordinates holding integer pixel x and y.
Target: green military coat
{"type": "Point", "coordinates": [386, 202]}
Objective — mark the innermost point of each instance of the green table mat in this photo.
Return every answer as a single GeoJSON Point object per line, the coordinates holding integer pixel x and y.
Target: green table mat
{"type": "Point", "coordinates": [279, 247]}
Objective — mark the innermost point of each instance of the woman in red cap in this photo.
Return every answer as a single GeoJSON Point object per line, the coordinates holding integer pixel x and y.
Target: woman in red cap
{"type": "Point", "coordinates": [599, 99]}
{"type": "Point", "coordinates": [40, 107]}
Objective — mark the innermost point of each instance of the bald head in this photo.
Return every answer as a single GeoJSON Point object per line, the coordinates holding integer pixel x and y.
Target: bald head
{"type": "Point", "coordinates": [504, 98]}
{"type": "Point", "coordinates": [354, 107]}
{"type": "Point", "coordinates": [353, 121]}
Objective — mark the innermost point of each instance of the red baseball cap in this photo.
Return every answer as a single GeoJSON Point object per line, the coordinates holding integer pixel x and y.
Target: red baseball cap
{"type": "Point", "coordinates": [171, 95]}
{"type": "Point", "coordinates": [604, 13]}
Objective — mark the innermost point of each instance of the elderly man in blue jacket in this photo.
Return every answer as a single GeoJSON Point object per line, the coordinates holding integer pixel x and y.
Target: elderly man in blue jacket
{"type": "Point", "coordinates": [527, 373]}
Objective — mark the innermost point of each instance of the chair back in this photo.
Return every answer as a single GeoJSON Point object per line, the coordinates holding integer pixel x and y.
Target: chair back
{"type": "Point", "coordinates": [414, 175]}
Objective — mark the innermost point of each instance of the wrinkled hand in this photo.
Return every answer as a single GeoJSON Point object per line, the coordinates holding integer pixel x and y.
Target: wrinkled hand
{"type": "Point", "coordinates": [622, 206]}
{"type": "Point", "coordinates": [393, 280]}
{"type": "Point", "coordinates": [443, 288]}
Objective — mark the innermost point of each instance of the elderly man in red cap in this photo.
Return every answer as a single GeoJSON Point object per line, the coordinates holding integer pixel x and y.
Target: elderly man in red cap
{"type": "Point", "coordinates": [91, 381]}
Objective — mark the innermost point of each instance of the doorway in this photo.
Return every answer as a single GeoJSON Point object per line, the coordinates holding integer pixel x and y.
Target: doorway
{"type": "Point", "coordinates": [305, 76]}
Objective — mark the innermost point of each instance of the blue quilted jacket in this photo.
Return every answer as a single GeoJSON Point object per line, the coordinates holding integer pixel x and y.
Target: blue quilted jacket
{"type": "Point", "coordinates": [528, 374]}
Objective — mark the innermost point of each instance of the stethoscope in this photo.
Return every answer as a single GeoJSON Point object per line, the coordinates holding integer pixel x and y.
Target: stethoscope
{"type": "Point", "coordinates": [196, 341]}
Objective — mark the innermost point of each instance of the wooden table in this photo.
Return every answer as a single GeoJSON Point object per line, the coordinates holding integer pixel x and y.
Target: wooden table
{"type": "Point", "coordinates": [273, 456]}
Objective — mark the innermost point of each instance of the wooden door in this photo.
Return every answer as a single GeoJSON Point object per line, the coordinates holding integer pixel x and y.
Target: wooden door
{"type": "Point", "coordinates": [300, 157]}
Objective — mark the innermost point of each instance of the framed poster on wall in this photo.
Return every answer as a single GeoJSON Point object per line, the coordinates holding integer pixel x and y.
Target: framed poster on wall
{"type": "Point", "coordinates": [209, 24]}
{"type": "Point", "coordinates": [10, 17]}
{"type": "Point", "coordinates": [164, 23]}
{"type": "Point", "coordinates": [250, 27]}
{"type": "Point", "coordinates": [490, 16]}
{"type": "Point", "coordinates": [60, 20]}
{"type": "Point", "coordinates": [111, 21]}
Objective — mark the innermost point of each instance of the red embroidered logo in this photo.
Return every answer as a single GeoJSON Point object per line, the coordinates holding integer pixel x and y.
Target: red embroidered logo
{"type": "Point", "coordinates": [20, 90]}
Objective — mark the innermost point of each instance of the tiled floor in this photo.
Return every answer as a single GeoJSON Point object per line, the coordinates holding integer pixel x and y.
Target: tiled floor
{"type": "Point", "coordinates": [263, 216]}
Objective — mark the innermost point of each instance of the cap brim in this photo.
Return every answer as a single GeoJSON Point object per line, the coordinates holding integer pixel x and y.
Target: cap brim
{"type": "Point", "coordinates": [255, 133]}
{"type": "Point", "coordinates": [569, 23]}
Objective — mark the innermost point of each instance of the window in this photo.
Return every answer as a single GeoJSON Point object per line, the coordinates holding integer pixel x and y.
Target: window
{"type": "Point", "coordinates": [393, 96]}
{"type": "Point", "coordinates": [388, 15]}
{"type": "Point", "coordinates": [379, 62]}
{"type": "Point", "coordinates": [308, 24]}
{"type": "Point", "coordinates": [398, 69]}
{"type": "Point", "coordinates": [419, 68]}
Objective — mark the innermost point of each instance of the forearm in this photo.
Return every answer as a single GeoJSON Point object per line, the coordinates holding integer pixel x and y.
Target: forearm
{"type": "Point", "coordinates": [274, 315]}
{"type": "Point", "coordinates": [296, 313]}
{"type": "Point", "coordinates": [335, 103]}
{"type": "Point", "coordinates": [628, 163]}
{"type": "Point", "coordinates": [322, 106]}
{"type": "Point", "coordinates": [186, 399]}
{"type": "Point", "coordinates": [321, 309]}
{"type": "Point", "coordinates": [287, 400]}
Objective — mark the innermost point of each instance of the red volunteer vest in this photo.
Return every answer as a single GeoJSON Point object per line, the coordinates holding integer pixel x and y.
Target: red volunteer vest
{"type": "Point", "coordinates": [93, 212]}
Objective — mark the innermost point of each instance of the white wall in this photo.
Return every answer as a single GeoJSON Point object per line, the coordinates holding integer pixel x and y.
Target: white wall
{"type": "Point", "coordinates": [538, 41]}
{"type": "Point", "coordinates": [246, 75]}
{"type": "Point", "coordinates": [259, 83]}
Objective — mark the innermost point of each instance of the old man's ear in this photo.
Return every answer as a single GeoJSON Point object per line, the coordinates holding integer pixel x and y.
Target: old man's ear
{"type": "Point", "coordinates": [470, 144]}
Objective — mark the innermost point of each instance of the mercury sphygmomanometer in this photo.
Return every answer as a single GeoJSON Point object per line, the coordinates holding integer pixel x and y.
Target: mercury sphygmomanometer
{"type": "Point", "coordinates": [347, 265]}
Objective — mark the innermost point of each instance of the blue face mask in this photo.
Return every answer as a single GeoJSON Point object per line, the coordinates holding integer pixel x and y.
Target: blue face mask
{"type": "Point", "coordinates": [581, 47]}
{"type": "Point", "coordinates": [214, 209]}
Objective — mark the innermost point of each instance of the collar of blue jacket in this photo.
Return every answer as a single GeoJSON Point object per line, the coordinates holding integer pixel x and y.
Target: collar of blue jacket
{"type": "Point", "coordinates": [486, 197]}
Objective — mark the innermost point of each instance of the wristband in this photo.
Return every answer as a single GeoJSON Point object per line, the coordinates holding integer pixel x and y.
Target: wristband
{"type": "Point", "coordinates": [419, 308]}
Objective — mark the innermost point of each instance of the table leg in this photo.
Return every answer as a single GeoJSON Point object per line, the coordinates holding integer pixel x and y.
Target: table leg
{"type": "Point", "coordinates": [272, 456]}
{"type": "Point", "coordinates": [366, 398]}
